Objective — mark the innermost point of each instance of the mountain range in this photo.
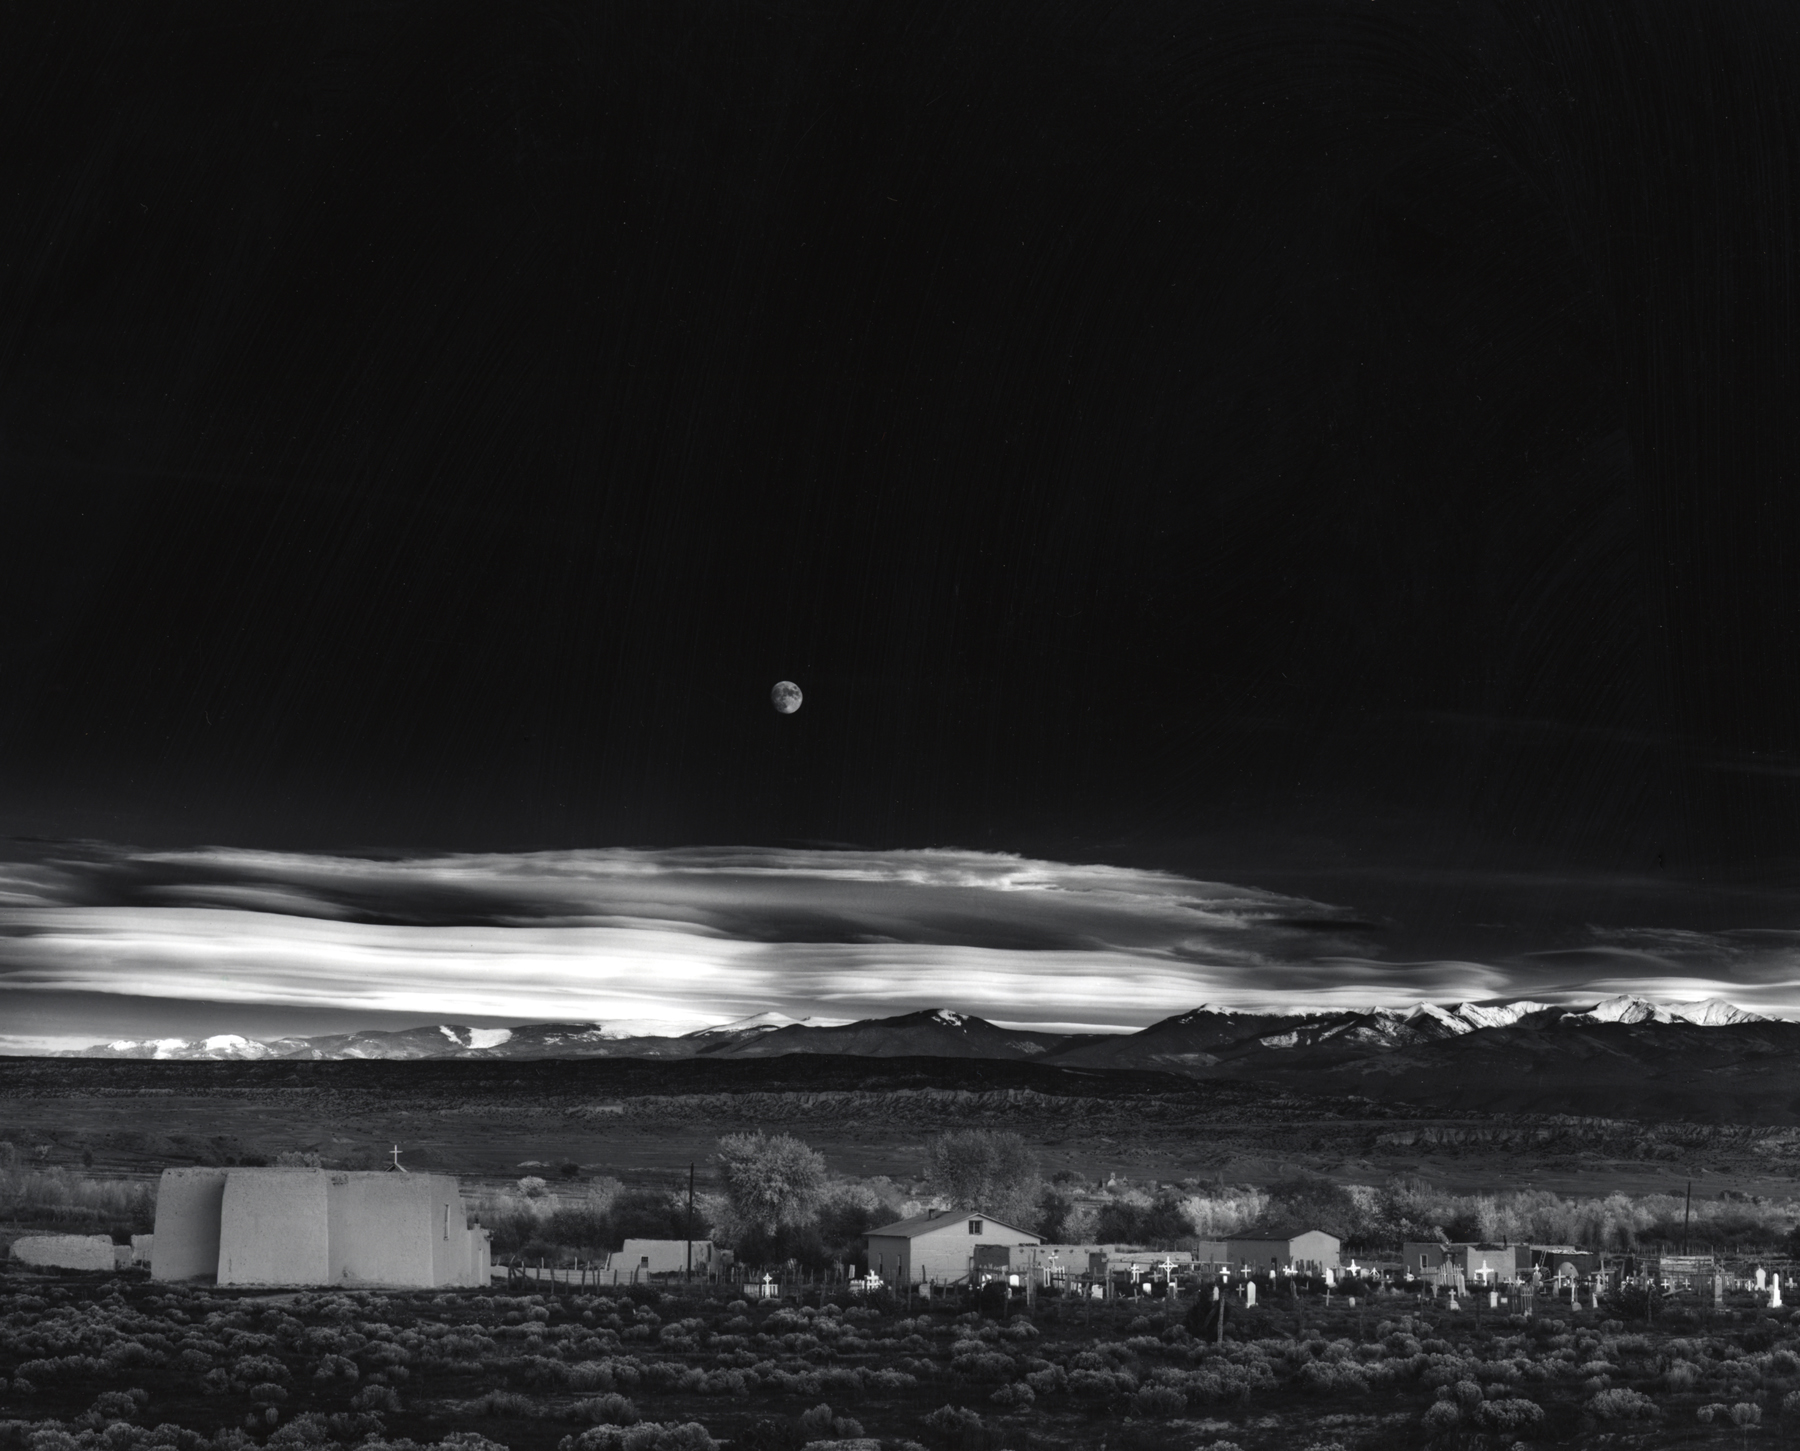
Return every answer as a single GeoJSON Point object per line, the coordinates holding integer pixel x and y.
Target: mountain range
{"type": "Point", "coordinates": [1205, 1038]}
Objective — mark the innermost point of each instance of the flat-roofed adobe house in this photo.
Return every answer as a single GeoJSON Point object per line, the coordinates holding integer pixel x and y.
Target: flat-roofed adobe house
{"type": "Point", "coordinates": [1309, 1250]}
{"type": "Point", "coordinates": [664, 1257]}
{"type": "Point", "coordinates": [1478, 1264]}
{"type": "Point", "coordinates": [1567, 1260]}
{"type": "Point", "coordinates": [944, 1245]}
{"type": "Point", "coordinates": [299, 1226]}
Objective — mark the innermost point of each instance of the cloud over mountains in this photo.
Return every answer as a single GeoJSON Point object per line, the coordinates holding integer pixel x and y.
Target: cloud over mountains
{"type": "Point", "coordinates": [690, 937]}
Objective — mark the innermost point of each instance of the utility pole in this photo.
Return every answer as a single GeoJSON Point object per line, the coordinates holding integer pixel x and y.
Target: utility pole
{"type": "Point", "coordinates": [690, 1223]}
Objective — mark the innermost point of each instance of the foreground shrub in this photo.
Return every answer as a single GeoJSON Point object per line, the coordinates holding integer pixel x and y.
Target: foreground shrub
{"type": "Point", "coordinates": [608, 1410]}
{"type": "Point", "coordinates": [501, 1403]}
{"type": "Point", "coordinates": [955, 1424]}
{"type": "Point", "coordinates": [1158, 1401]}
{"type": "Point", "coordinates": [1442, 1418]}
{"type": "Point", "coordinates": [1514, 1417]}
{"type": "Point", "coordinates": [820, 1424]}
{"type": "Point", "coordinates": [1620, 1404]}
{"type": "Point", "coordinates": [645, 1436]}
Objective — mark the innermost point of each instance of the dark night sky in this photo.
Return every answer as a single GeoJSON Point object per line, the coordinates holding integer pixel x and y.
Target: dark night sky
{"type": "Point", "coordinates": [1344, 447]}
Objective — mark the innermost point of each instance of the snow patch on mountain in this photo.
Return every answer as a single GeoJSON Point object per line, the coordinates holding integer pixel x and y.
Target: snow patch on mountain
{"type": "Point", "coordinates": [1628, 1008]}
{"type": "Point", "coordinates": [1469, 1017]}
{"type": "Point", "coordinates": [1716, 1012]}
{"type": "Point", "coordinates": [756, 1023]}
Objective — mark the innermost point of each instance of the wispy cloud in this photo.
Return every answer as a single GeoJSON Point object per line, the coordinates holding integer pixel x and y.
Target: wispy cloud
{"type": "Point", "coordinates": [686, 937]}
{"type": "Point", "coordinates": [692, 937]}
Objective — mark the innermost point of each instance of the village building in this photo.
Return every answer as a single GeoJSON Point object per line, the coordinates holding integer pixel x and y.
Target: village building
{"type": "Point", "coordinates": [1478, 1264]}
{"type": "Point", "coordinates": [71, 1252]}
{"type": "Point", "coordinates": [1567, 1261]}
{"type": "Point", "coordinates": [648, 1257]}
{"type": "Point", "coordinates": [1308, 1251]}
{"type": "Point", "coordinates": [946, 1245]}
{"type": "Point", "coordinates": [242, 1226]}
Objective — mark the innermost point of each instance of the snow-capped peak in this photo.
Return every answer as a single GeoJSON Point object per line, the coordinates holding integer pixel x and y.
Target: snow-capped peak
{"type": "Point", "coordinates": [165, 1047]}
{"type": "Point", "coordinates": [1623, 1008]}
{"type": "Point", "coordinates": [1467, 1017]}
{"type": "Point", "coordinates": [1716, 1012]}
{"type": "Point", "coordinates": [766, 1022]}
{"type": "Point", "coordinates": [1497, 1015]}
{"type": "Point", "coordinates": [948, 1018]}
{"type": "Point", "coordinates": [1627, 1008]}
{"type": "Point", "coordinates": [476, 1037]}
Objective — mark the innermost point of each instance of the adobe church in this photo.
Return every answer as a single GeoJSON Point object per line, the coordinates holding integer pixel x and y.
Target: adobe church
{"type": "Point", "coordinates": [315, 1227]}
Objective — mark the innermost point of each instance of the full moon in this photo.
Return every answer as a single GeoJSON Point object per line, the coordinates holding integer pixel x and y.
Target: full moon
{"type": "Point", "coordinates": [785, 697]}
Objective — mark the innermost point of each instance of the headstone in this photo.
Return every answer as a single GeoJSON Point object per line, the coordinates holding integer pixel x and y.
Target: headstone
{"type": "Point", "coordinates": [1249, 1292]}
{"type": "Point", "coordinates": [1762, 1278]}
{"type": "Point", "coordinates": [1775, 1292]}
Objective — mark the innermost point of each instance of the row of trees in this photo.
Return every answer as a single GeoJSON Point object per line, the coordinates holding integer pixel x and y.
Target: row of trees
{"type": "Point", "coordinates": [777, 1200]}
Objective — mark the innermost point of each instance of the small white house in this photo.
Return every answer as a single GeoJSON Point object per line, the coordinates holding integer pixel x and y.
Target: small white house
{"type": "Point", "coordinates": [644, 1257]}
{"type": "Point", "coordinates": [945, 1245]}
{"type": "Point", "coordinates": [1310, 1250]}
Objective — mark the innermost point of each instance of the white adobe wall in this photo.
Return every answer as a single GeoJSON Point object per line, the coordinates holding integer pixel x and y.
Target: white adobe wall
{"type": "Point", "coordinates": [298, 1226]}
{"type": "Point", "coordinates": [66, 1251]}
{"type": "Point", "coordinates": [185, 1245]}
{"type": "Point", "coordinates": [381, 1229]}
{"type": "Point", "coordinates": [1317, 1247]}
{"type": "Point", "coordinates": [666, 1256]}
{"type": "Point", "coordinates": [143, 1246]}
{"type": "Point", "coordinates": [945, 1254]}
{"type": "Point", "coordinates": [449, 1231]}
{"type": "Point", "coordinates": [274, 1228]}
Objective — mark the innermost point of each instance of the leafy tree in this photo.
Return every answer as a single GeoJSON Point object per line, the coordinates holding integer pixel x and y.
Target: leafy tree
{"type": "Point", "coordinates": [1053, 1210]}
{"type": "Point", "coordinates": [1161, 1224]}
{"type": "Point", "coordinates": [801, 1243]}
{"type": "Point", "coordinates": [984, 1169]}
{"type": "Point", "coordinates": [653, 1214]}
{"type": "Point", "coordinates": [770, 1180]}
{"type": "Point", "coordinates": [1406, 1207]}
{"type": "Point", "coordinates": [1310, 1201]}
{"type": "Point", "coordinates": [844, 1221]}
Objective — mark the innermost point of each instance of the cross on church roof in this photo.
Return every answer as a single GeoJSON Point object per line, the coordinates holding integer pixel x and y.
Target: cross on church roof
{"type": "Point", "coordinates": [397, 1164]}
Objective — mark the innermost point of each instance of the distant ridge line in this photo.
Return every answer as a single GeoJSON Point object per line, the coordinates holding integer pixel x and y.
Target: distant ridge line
{"type": "Point", "coordinates": [1198, 1038]}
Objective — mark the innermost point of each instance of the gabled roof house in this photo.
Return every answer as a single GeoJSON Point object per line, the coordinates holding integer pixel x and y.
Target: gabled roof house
{"type": "Point", "coordinates": [945, 1245]}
